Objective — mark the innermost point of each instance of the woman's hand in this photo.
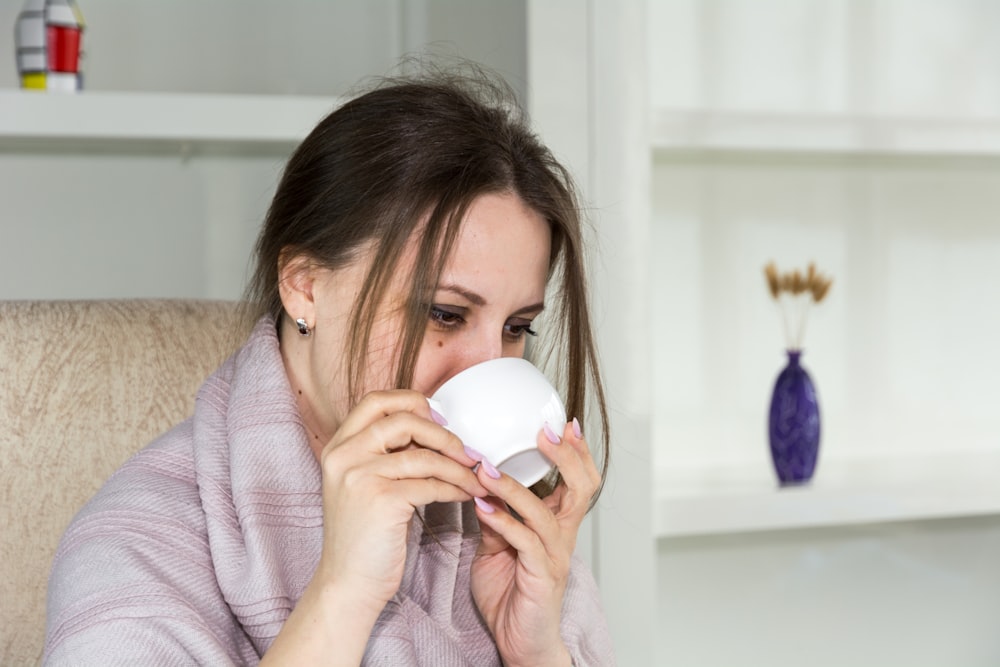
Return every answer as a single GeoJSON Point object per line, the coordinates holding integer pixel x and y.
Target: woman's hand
{"type": "Point", "coordinates": [520, 571]}
{"type": "Point", "coordinates": [387, 458]}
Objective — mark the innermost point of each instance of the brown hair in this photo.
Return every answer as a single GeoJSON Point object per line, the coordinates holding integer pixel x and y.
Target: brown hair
{"type": "Point", "coordinates": [419, 150]}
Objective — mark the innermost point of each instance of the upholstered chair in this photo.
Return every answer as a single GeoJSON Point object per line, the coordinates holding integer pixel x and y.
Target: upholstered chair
{"type": "Point", "coordinates": [84, 385]}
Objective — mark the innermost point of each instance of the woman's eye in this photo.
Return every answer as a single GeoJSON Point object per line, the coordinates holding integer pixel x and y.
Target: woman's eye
{"type": "Point", "coordinates": [516, 330]}
{"type": "Point", "coordinates": [445, 318]}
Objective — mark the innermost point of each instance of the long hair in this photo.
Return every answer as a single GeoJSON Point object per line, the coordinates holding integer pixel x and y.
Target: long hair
{"type": "Point", "coordinates": [418, 151]}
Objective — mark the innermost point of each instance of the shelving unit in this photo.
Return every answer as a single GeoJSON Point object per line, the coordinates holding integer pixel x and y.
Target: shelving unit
{"type": "Point", "coordinates": [868, 135]}
{"type": "Point", "coordinates": [910, 486]}
{"type": "Point", "coordinates": [190, 173]}
{"type": "Point", "coordinates": [91, 120]}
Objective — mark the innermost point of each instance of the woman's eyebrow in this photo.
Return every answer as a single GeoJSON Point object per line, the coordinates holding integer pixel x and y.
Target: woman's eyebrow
{"type": "Point", "coordinates": [470, 296]}
{"type": "Point", "coordinates": [478, 300]}
{"type": "Point", "coordinates": [533, 309]}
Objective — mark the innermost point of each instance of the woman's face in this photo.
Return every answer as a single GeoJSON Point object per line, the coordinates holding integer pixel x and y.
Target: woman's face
{"type": "Point", "coordinates": [491, 289]}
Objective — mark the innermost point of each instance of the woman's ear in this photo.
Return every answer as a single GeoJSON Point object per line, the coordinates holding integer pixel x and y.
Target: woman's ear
{"type": "Point", "coordinates": [296, 282]}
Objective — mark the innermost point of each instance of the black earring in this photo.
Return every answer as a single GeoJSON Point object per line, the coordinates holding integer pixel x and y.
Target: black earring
{"type": "Point", "coordinates": [303, 327]}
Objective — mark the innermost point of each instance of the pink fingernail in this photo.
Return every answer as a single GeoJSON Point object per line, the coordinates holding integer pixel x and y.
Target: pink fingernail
{"type": "Point", "coordinates": [550, 434]}
{"type": "Point", "coordinates": [472, 454]}
{"type": "Point", "coordinates": [577, 431]}
{"type": "Point", "coordinates": [490, 469]}
{"type": "Point", "coordinates": [438, 418]}
{"type": "Point", "coordinates": [483, 505]}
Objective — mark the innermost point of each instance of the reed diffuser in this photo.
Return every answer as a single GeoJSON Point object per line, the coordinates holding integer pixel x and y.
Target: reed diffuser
{"type": "Point", "coordinates": [794, 424]}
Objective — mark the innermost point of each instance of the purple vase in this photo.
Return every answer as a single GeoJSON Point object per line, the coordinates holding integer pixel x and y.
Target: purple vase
{"type": "Point", "coordinates": [794, 423]}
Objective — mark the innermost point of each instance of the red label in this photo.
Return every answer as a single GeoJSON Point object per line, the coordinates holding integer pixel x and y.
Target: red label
{"type": "Point", "coordinates": [63, 49]}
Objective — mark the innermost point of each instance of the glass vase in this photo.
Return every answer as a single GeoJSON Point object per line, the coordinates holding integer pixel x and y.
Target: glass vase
{"type": "Point", "coordinates": [794, 423]}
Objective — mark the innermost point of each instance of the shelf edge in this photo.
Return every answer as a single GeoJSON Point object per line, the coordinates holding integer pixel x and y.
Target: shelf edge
{"type": "Point", "coordinates": [821, 134]}
{"type": "Point", "coordinates": [163, 117]}
{"type": "Point", "coordinates": [844, 493]}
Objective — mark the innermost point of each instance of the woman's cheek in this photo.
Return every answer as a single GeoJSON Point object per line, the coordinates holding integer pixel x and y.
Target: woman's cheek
{"type": "Point", "coordinates": [436, 364]}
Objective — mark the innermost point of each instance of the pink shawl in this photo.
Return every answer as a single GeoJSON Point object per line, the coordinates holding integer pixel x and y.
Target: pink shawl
{"type": "Point", "coordinates": [197, 549]}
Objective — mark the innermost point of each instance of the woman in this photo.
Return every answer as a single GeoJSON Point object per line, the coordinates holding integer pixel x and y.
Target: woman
{"type": "Point", "coordinates": [314, 510]}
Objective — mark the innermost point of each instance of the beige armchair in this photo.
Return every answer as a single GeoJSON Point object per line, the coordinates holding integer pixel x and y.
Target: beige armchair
{"type": "Point", "coordinates": [83, 385]}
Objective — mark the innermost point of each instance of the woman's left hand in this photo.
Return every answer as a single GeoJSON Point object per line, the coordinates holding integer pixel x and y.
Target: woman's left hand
{"type": "Point", "coordinates": [520, 571]}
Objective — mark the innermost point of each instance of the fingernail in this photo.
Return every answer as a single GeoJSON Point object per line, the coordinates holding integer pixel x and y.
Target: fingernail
{"type": "Point", "coordinates": [472, 454]}
{"type": "Point", "coordinates": [483, 505]}
{"type": "Point", "coordinates": [438, 418]}
{"type": "Point", "coordinates": [550, 434]}
{"type": "Point", "coordinates": [577, 431]}
{"type": "Point", "coordinates": [490, 469]}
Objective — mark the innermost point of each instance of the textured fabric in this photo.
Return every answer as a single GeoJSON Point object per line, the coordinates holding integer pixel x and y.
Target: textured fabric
{"type": "Point", "coordinates": [83, 385]}
{"type": "Point", "coordinates": [197, 549]}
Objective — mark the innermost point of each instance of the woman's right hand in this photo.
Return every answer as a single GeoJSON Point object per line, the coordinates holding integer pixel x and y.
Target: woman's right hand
{"type": "Point", "coordinates": [387, 458]}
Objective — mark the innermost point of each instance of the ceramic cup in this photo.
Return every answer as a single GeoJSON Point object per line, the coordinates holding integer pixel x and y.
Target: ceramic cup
{"type": "Point", "coordinates": [498, 408]}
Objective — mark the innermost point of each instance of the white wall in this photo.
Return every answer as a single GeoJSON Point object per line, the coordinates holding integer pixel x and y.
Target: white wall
{"type": "Point", "coordinates": [107, 226]}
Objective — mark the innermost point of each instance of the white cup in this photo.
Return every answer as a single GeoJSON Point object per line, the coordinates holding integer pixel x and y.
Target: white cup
{"type": "Point", "coordinates": [498, 407]}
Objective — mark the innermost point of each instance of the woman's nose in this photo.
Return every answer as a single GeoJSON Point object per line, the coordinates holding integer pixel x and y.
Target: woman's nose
{"type": "Point", "coordinates": [484, 349]}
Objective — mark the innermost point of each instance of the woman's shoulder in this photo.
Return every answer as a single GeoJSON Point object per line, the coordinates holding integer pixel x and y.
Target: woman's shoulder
{"type": "Point", "coordinates": [139, 550]}
{"type": "Point", "coordinates": [151, 498]}
{"type": "Point", "coordinates": [163, 470]}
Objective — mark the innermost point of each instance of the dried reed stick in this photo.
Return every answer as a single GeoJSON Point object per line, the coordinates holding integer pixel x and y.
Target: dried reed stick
{"type": "Point", "coordinates": [793, 291]}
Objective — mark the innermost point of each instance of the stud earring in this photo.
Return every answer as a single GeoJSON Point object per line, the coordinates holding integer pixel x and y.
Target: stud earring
{"type": "Point", "coordinates": [303, 327]}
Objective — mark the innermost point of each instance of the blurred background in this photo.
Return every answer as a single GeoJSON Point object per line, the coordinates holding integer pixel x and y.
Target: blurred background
{"type": "Point", "coordinates": [708, 137]}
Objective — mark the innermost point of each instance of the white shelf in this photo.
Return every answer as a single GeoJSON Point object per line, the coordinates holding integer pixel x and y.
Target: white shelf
{"type": "Point", "coordinates": [34, 119]}
{"type": "Point", "coordinates": [850, 492]}
{"type": "Point", "coordinates": [682, 132]}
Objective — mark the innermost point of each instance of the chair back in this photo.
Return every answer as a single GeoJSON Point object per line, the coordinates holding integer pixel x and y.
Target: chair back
{"type": "Point", "coordinates": [83, 386]}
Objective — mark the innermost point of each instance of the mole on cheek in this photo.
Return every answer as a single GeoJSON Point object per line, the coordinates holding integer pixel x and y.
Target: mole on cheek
{"type": "Point", "coordinates": [440, 343]}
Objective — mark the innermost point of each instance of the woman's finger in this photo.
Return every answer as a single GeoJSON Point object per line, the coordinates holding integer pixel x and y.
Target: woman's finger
{"type": "Point", "coordinates": [499, 528]}
{"type": "Point", "coordinates": [573, 434]}
{"type": "Point", "coordinates": [419, 492]}
{"type": "Point", "coordinates": [576, 484]}
{"type": "Point", "coordinates": [491, 541]}
{"type": "Point", "coordinates": [421, 463]}
{"type": "Point", "coordinates": [539, 527]}
{"type": "Point", "coordinates": [542, 554]}
{"type": "Point", "coordinates": [378, 404]}
{"type": "Point", "coordinates": [580, 478]}
{"type": "Point", "coordinates": [387, 421]}
{"type": "Point", "coordinates": [556, 520]}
